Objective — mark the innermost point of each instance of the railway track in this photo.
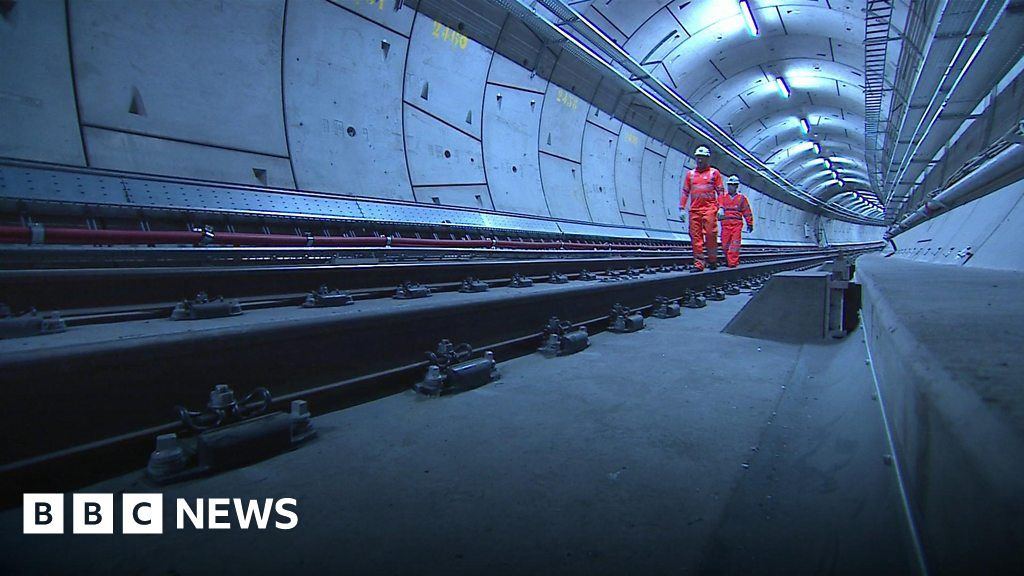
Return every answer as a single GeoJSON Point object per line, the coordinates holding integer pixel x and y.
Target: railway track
{"type": "Point", "coordinates": [96, 395]}
{"type": "Point", "coordinates": [75, 283]}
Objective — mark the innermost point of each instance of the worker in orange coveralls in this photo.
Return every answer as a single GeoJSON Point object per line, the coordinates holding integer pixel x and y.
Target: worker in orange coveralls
{"type": "Point", "coordinates": [701, 187]}
{"type": "Point", "coordinates": [733, 210]}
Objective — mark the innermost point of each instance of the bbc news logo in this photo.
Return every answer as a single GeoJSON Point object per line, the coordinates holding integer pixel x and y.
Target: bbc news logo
{"type": "Point", "coordinates": [144, 514]}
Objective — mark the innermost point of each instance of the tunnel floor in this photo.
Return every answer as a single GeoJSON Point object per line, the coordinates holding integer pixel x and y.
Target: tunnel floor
{"type": "Point", "coordinates": [675, 450]}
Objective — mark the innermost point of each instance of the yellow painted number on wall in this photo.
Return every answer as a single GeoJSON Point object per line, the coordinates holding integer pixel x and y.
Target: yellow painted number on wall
{"type": "Point", "coordinates": [446, 34]}
{"type": "Point", "coordinates": [570, 101]}
{"type": "Point", "coordinates": [379, 3]}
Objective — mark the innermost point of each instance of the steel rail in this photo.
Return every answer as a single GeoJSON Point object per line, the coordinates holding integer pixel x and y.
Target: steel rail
{"type": "Point", "coordinates": [26, 257]}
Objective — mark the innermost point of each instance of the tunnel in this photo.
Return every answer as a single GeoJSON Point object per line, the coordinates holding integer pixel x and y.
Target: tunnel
{"type": "Point", "coordinates": [512, 286]}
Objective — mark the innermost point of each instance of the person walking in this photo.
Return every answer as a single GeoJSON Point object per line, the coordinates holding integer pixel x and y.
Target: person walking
{"type": "Point", "coordinates": [701, 188]}
{"type": "Point", "coordinates": [733, 210]}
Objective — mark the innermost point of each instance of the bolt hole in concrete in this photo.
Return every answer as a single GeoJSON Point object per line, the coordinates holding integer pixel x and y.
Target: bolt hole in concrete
{"type": "Point", "coordinates": [514, 169]}
{"type": "Point", "coordinates": [136, 107]}
{"type": "Point", "coordinates": [351, 131]}
{"type": "Point", "coordinates": [447, 153]}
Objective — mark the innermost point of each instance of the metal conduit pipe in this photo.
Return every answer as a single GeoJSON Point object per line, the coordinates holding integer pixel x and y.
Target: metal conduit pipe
{"type": "Point", "coordinates": [1005, 168]}
{"type": "Point", "coordinates": [39, 234]}
{"type": "Point", "coordinates": [442, 243]}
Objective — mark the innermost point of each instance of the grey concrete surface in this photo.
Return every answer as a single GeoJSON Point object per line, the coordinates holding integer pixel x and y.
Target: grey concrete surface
{"type": "Point", "coordinates": [790, 307]}
{"type": "Point", "coordinates": [984, 233]}
{"type": "Point", "coordinates": [676, 450]}
{"type": "Point", "coordinates": [818, 498]}
{"type": "Point", "coordinates": [946, 343]}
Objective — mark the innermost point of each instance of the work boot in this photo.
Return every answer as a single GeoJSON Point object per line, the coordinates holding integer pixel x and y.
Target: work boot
{"type": "Point", "coordinates": [713, 265]}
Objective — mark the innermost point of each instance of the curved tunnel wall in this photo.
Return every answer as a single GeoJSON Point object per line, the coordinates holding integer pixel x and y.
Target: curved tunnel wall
{"type": "Point", "coordinates": [347, 97]}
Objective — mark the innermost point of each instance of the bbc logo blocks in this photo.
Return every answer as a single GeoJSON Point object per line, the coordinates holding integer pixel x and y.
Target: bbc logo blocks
{"type": "Point", "coordinates": [93, 514]}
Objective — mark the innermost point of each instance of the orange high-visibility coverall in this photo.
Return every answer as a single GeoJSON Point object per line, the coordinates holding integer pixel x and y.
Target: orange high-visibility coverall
{"type": "Point", "coordinates": [737, 209]}
{"type": "Point", "coordinates": [702, 189]}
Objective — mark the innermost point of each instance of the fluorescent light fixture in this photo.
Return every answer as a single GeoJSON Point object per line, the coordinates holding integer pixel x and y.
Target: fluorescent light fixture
{"type": "Point", "coordinates": [807, 79]}
{"type": "Point", "coordinates": [780, 83]}
{"type": "Point", "coordinates": [828, 164]}
{"type": "Point", "coordinates": [748, 17]}
{"type": "Point", "coordinates": [818, 175]}
{"type": "Point", "coordinates": [801, 147]}
{"type": "Point", "coordinates": [805, 126]}
{"type": "Point", "coordinates": [816, 147]}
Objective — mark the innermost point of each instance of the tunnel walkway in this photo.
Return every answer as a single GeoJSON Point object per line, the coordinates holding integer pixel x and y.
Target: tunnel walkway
{"type": "Point", "coordinates": [946, 343]}
{"type": "Point", "coordinates": [676, 450]}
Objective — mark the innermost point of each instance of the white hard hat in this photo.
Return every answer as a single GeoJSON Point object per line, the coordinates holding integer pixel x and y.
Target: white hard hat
{"type": "Point", "coordinates": [703, 151]}
{"type": "Point", "coordinates": [733, 180]}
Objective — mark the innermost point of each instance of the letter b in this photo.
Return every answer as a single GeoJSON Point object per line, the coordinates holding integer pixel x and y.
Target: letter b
{"type": "Point", "coordinates": [43, 514]}
{"type": "Point", "coordinates": [92, 514]}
